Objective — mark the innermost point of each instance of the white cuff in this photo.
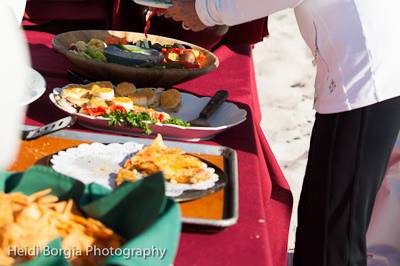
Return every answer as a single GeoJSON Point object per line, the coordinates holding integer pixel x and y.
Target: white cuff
{"type": "Point", "coordinates": [206, 11]}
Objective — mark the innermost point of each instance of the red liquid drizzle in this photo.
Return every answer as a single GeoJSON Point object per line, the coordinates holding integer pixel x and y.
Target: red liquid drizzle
{"type": "Point", "coordinates": [150, 13]}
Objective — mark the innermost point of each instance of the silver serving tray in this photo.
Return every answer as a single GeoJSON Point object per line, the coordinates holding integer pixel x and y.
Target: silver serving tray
{"type": "Point", "coordinates": [231, 195]}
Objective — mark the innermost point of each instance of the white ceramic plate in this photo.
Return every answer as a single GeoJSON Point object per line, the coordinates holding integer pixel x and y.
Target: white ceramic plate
{"type": "Point", "coordinates": [37, 86]}
{"type": "Point", "coordinates": [154, 3]}
{"type": "Point", "coordinates": [99, 163]}
{"type": "Point", "coordinates": [227, 116]}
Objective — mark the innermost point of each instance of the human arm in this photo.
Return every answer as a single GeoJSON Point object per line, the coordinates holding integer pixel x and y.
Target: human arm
{"type": "Point", "coordinates": [234, 12]}
{"type": "Point", "coordinates": [199, 14]}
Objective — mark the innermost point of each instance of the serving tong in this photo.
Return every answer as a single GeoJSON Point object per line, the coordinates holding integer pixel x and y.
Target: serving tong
{"type": "Point", "coordinates": [60, 124]}
{"type": "Point", "coordinates": [32, 134]}
{"type": "Point", "coordinates": [75, 77]}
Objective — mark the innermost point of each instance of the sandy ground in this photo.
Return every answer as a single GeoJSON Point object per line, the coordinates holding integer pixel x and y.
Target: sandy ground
{"type": "Point", "coordinates": [285, 78]}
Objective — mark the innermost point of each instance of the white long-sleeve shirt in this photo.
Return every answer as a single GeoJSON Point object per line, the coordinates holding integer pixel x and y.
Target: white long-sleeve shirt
{"type": "Point", "coordinates": [356, 44]}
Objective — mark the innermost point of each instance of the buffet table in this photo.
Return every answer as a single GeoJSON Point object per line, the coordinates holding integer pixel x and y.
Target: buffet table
{"type": "Point", "coordinates": [260, 236]}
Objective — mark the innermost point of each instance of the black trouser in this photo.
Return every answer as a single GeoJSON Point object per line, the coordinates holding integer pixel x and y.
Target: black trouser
{"type": "Point", "coordinates": [347, 161]}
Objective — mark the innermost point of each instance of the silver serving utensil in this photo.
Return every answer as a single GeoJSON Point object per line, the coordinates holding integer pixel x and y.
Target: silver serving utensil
{"type": "Point", "coordinates": [49, 128]}
{"type": "Point", "coordinates": [215, 102]}
{"type": "Point", "coordinates": [154, 3]}
{"type": "Point", "coordinates": [75, 77]}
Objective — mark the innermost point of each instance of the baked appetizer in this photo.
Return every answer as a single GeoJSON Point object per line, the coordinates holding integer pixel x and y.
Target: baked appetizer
{"type": "Point", "coordinates": [125, 89]}
{"type": "Point", "coordinates": [125, 102]}
{"type": "Point", "coordinates": [100, 84]}
{"type": "Point", "coordinates": [75, 92]}
{"type": "Point", "coordinates": [171, 100]}
{"type": "Point", "coordinates": [102, 89]}
{"type": "Point", "coordinates": [139, 99]}
{"type": "Point", "coordinates": [121, 105]}
{"type": "Point", "coordinates": [152, 98]}
{"type": "Point", "coordinates": [177, 166]}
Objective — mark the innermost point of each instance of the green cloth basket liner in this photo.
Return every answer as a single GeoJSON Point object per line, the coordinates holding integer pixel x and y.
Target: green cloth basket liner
{"type": "Point", "coordinates": [139, 212]}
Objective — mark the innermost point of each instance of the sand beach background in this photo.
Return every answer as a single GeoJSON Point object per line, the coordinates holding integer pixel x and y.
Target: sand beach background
{"type": "Point", "coordinates": [285, 80]}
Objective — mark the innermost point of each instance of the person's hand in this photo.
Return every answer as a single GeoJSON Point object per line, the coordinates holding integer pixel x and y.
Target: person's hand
{"type": "Point", "coordinates": [185, 11]}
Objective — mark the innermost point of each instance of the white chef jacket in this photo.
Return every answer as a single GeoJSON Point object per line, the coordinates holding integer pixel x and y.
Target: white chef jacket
{"type": "Point", "coordinates": [356, 44]}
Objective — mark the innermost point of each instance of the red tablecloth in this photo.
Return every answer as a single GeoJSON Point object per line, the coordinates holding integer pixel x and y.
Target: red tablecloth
{"type": "Point", "coordinates": [260, 237]}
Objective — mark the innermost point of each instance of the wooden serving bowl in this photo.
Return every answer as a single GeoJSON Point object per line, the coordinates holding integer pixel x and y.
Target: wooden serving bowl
{"type": "Point", "coordinates": [140, 76]}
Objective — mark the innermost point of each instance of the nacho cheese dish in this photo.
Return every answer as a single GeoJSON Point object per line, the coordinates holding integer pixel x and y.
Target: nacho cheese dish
{"type": "Point", "coordinates": [31, 222]}
{"type": "Point", "coordinates": [177, 166]}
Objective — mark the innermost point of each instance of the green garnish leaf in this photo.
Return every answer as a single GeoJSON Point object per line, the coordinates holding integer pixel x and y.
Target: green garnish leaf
{"type": "Point", "coordinates": [139, 120]}
{"type": "Point", "coordinates": [176, 121]}
{"type": "Point", "coordinates": [131, 119]}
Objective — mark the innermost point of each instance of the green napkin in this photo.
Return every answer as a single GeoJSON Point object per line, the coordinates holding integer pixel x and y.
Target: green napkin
{"type": "Point", "coordinates": [165, 227]}
{"type": "Point", "coordinates": [39, 178]}
{"type": "Point", "coordinates": [112, 209]}
{"type": "Point", "coordinates": [139, 212]}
